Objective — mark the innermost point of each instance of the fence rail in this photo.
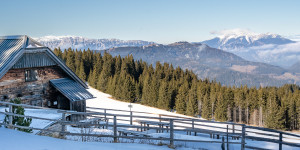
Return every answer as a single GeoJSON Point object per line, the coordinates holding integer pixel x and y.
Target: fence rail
{"type": "Point", "coordinates": [118, 122]}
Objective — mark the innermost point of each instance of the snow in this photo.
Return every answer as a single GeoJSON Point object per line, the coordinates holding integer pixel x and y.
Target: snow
{"type": "Point", "coordinates": [250, 36]}
{"type": "Point", "coordinates": [78, 42]}
{"type": "Point", "coordinates": [37, 123]}
{"type": "Point", "coordinates": [16, 140]}
{"type": "Point", "coordinates": [104, 100]}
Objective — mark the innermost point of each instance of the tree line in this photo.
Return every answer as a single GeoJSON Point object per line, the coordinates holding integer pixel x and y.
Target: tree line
{"type": "Point", "coordinates": [169, 88]}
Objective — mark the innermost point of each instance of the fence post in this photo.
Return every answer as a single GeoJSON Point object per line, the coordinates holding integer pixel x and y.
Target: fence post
{"type": "Point", "coordinates": [227, 139]}
{"type": "Point", "coordinates": [233, 132]}
{"type": "Point", "coordinates": [223, 143]}
{"type": "Point", "coordinates": [159, 117]}
{"type": "Point", "coordinates": [130, 117]}
{"type": "Point", "coordinates": [115, 130]}
{"type": "Point", "coordinates": [280, 141]}
{"type": "Point", "coordinates": [171, 133]}
{"type": "Point", "coordinates": [63, 126]}
{"type": "Point", "coordinates": [243, 137]}
{"type": "Point", "coordinates": [10, 118]}
{"type": "Point", "coordinates": [105, 113]}
{"type": "Point", "coordinates": [193, 127]}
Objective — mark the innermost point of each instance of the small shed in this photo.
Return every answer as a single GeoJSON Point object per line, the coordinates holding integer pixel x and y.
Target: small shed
{"type": "Point", "coordinates": [32, 72]}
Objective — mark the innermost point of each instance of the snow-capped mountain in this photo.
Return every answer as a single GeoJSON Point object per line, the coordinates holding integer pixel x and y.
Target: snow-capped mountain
{"type": "Point", "coordinates": [238, 38]}
{"type": "Point", "coordinates": [77, 42]}
{"type": "Point", "coordinates": [260, 47]}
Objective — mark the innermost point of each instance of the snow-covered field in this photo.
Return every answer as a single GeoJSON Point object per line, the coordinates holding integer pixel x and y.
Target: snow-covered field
{"type": "Point", "coordinates": [104, 100]}
{"type": "Point", "coordinates": [15, 140]}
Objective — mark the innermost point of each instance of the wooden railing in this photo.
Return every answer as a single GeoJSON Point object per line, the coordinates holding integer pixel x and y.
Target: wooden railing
{"type": "Point", "coordinates": [175, 124]}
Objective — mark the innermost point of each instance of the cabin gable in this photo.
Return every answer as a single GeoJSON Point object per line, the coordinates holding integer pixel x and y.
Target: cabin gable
{"type": "Point", "coordinates": [30, 71]}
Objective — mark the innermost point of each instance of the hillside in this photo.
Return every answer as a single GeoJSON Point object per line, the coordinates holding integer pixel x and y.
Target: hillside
{"type": "Point", "coordinates": [295, 67]}
{"type": "Point", "coordinates": [207, 62]}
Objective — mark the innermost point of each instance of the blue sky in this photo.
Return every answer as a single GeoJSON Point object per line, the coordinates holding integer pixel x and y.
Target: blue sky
{"type": "Point", "coordinates": [162, 21]}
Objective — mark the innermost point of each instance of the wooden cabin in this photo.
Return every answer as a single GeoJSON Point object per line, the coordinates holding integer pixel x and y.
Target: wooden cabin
{"type": "Point", "coordinates": [32, 72]}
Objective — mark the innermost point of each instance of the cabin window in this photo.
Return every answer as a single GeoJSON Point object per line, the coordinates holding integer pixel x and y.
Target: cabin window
{"type": "Point", "coordinates": [5, 97]}
{"type": "Point", "coordinates": [30, 75]}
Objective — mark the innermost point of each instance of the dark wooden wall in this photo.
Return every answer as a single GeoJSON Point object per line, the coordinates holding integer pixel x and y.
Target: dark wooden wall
{"type": "Point", "coordinates": [38, 92]}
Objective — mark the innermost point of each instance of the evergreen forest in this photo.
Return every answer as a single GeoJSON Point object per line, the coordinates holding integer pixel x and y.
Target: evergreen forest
{"type": "Point", "coordinates": [175, 89]}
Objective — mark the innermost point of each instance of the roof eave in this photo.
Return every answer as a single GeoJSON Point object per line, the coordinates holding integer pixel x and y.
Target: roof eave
{"type": "Point", "coordinates": [66, 68]}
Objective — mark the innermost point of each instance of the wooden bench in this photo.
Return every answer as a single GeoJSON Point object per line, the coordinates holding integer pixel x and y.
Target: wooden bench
{"type": "Point", "coordinates": [213, 134]}
{"type": "Point", "coordinates": [130, 132]}
{"type": "Point", "coordinates": [156, 123]}
{"type": "Point", "coordinates": [94, 121]}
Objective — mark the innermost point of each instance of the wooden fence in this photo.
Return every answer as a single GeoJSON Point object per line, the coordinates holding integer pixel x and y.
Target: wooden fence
{"type": "Point", "coordinates": [122, 124]}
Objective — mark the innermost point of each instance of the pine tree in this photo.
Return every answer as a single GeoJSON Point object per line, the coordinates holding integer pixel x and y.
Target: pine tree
{"type": "Point", "coordinates": [154, 87]}
{"type": "Point", "coordinates": [206, 108]}
{"type": "Point", "coordinates": [16, 120]}
{"type": "Point", "coordinates": [82, 74]}
{"type": "Point", "coordinates": [192, 104]}
{"type": "Point", "coordinates": [164, 96]}
{"type": "Point", "coordinates": [106, 72]}
{"type": "Point", "coordinates": [274, 115]}
{"type": "Point", "coordinates": [181, 98]}
{"type": "Point", "coordinates": [221, 108]}
{"type": "Point", "coordinates": [70, 60]}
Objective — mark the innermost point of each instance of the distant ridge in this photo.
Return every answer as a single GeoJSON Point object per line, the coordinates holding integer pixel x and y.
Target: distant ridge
{"type": "Point", "coordinates": [77, 42]}
{"type": "Point", "coordinates": [239, 38]}
{"type": "Point", "coordinates": [208, 62]}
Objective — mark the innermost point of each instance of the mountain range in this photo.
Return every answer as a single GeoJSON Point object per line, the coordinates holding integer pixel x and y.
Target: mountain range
{"type": "Point", "coordinates": [76, 42]}
{"type": "Point", "coordinates": [212, 63]}
{"type": "Point", "coordinates": [240, 39]}
{"type": "Point", "coordinates": [260, 47]}
{"type": "Point", "coordinates": [241, 62]}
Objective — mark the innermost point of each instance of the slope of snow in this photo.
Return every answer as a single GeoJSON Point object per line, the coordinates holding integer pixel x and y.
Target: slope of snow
{"type": "Point", "coordinates": [104, 100]}
{"type": "Point", "coordinates": [16, 140]}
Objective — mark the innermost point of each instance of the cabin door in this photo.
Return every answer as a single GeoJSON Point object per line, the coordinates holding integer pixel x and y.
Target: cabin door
{"type": "Point", "coordinates": [63, 102]}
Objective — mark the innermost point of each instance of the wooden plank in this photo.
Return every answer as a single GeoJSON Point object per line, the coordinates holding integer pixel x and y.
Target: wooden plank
{"type": "Point", "coordinates": [41, 118]}
{"type": "Point", "coordinates": [115, 129]}
{"type": "Point", "coordinates": [10, 116]}
{"type": "Point", "coordinates": [63, 127]}
{"type": "Point", "coordinates": [272, 130]}
{"type": "Point", "coordinates": [256, 148]}
{"type": "Point", "coordinates": [243, 137]}
{"type": "Point", "coordinates": [171, 133]}
{"type": "Point", "coordinates": [130, 117]}
{"type": "Point", "coordinates": [280, 139]}
{"type": "Point", "coordinates": [273, 141]}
